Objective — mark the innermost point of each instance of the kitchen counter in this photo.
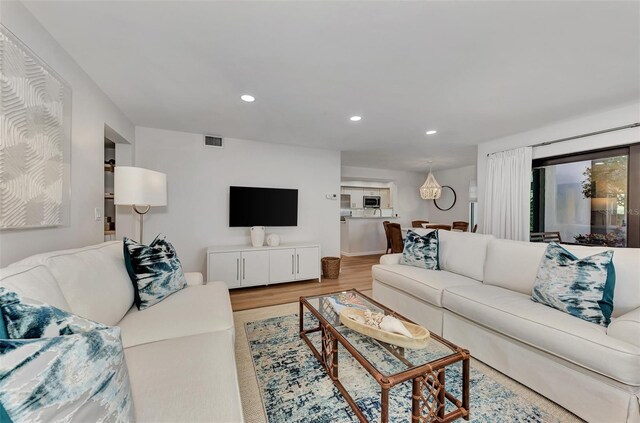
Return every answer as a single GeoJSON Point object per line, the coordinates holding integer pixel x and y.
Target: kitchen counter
{"type": "Point", "coordinates": [360, 236]}
{"type": "Point", "coordinates": [371, 217]}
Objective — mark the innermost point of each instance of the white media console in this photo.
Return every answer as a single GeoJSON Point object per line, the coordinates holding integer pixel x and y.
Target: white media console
{"type": "Point", "coordinates": [241, 266]}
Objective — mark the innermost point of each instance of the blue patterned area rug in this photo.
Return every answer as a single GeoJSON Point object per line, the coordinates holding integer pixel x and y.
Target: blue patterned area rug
{"type": "Point", "coordinates": [295, 387]}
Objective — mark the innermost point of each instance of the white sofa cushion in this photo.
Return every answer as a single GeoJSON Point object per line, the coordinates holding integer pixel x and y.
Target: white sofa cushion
{"type": "Point", "coordinates": [424, 284]}
{"type": "Point", "coordinates": [463, 253]}
{"type": "Point", "coordinates": [93, 279]}
{"type": "Point", "coordinates": [188, 379]}
{"type": "Point", "coordinates": [515, 315]}
{"type": "Point", "coordinates": [514, 265]}
{"type": "Point", "coordinates": [190, 311]}
{"type": "Point", "coordinates": [626, 327]}
{"type": "Point", "coordinates": [35, 282]}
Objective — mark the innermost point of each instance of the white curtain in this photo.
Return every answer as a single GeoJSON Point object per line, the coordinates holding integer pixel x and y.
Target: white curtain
{"type": "Point", "coordinates": [507, 194]}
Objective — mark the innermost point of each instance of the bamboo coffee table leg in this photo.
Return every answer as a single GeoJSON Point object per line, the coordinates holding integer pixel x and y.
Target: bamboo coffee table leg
{"type": "Point", "coordinates": [384, 405]}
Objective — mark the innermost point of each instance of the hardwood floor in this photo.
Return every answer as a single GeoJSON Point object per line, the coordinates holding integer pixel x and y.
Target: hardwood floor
{"type": "Point", "coordinates": [355, 272]}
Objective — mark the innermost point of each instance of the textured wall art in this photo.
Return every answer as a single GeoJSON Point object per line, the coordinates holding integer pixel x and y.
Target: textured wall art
{"type": "Point", "coordinates": [35, 139]}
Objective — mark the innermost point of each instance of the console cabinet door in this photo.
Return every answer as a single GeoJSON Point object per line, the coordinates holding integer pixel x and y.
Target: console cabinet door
{"type": "Point", "coordinates": [225, 267]}
{"type": "Point", "coordinates": [307, 263]}
{"type": "Point", "coordinates": [254, 268]}
{"type": "Point", "coordinates": [282, 265]}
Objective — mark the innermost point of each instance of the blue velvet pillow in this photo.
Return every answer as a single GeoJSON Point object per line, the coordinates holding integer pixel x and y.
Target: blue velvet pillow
{"type": "Point", "coordinates": [60, 367]}
{"type": "Point", "coordinates": [154, 269]}
{"type": "Point", "coordinates": [422, 250]}
{"type": "Point", "coordinates": [581, 287]}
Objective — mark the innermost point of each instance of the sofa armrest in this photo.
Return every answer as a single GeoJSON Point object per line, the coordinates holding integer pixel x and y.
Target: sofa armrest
{"type": "Point", "coordinates": [626, 327]}
{"type": "Point", "coordinates": [194, 278]}
{"type": "Point", "coordinates": [391, 258]}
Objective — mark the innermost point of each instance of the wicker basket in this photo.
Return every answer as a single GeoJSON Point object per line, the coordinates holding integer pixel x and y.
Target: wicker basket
{"type": "Point", "coordinates": [330, 267]}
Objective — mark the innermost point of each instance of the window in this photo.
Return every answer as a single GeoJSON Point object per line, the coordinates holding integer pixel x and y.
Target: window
{"type": "Point", "coordinates": [589, 198]}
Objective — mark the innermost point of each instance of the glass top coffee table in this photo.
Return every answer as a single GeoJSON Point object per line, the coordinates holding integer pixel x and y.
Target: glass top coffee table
{"type": "Point", "coordinates": [388, 364]}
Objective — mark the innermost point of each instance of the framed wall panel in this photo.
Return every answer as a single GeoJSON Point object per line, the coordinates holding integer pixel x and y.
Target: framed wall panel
{"type": "Point", "coordinates": [35, 139]}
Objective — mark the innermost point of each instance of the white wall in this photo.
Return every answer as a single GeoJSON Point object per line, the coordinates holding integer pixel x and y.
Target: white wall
{"type": "Point", "coordinates": [91, 109]}
{"type": "Point", "coordinates": [197, 215]}
{"type": "Point", "coordinates": [458, 179]}
{"type": "Point", "coordinates": [406, 198]}
{"type": "Point", "coordinates": [619, 116]}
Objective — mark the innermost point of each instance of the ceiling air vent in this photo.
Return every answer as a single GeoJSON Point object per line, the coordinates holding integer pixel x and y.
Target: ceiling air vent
{"type": "Point", "coordinates": [213, 141]}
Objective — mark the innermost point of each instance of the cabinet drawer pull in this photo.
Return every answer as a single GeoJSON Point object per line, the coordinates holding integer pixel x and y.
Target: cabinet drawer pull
{"type": "Point", "coordinates": [237, 269]}
{"type": "Point", "coordinates": [244, 273]}
{"type": "Point", "coordinates": [298, 263]}
{"type": "Point", "coordinates": [293, 271]}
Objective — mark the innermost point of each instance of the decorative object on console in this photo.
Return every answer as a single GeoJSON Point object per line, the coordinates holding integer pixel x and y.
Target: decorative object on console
{"type": "Point", "coordinates": [257, 236]}
{"type": "Point", "coordinates": [273, 240]}
{"type": "Point", "coordinates": [431, 189]}
{"type": "Point", "coordinates": [62, 367]}
{"type": "Point", "coordinates": [447, 199]}
{"type": "Point", "coordinates": [385, 328]}
{"type": "Point", "coordinates": [422, 251]}
{"type": "Point", "coordinates": [139, 187]}
{"type": "Point", "coordinates": [35, 147]}
{"type": "Point", "coordinates": [581, 287]}
{"type": "Point", "coordinates": [155, 270]}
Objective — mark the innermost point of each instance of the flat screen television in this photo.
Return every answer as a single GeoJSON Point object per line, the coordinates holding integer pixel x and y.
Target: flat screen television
{"type": "Point", "coordinates": [251, 206]}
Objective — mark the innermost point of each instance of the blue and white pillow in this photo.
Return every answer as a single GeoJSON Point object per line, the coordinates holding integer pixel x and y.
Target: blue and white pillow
{"type": "Point", "coordinates": [73, 371]}
{"type": "Point", "coordinates": [154, 269]}
{"type": "Point", "coordinates": [581, 287]}
{"type": "Point", "coordinates": [422, 250]}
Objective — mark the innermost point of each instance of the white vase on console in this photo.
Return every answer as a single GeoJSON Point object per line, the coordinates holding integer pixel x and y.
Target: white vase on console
{"type": "Point", "coordinates": [273, 240]}
{"type": "Point", "coordinates": [257, 236]}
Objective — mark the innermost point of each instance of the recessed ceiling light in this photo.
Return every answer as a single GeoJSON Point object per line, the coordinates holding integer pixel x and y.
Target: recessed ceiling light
{"type": "Point", "coordinates": [355, 118]}
{"type": "Point", "coordinates": [431, 132]}
{"type": "Point", "coordinates": [599, 163]}
{"type": "Point", "coordinates": [248, 98]}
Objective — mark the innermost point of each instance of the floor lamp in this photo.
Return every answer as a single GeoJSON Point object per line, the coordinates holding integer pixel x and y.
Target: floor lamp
{"type": "Point", "coordinates": [139, 188]}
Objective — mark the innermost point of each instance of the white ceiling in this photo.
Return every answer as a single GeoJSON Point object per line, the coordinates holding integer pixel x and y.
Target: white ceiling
{"type": "Point", "coordinates": [474, 71]}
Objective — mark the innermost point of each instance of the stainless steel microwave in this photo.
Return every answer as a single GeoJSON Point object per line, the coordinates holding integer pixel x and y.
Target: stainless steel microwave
{"type": "Point", "coordinates": [371, 201]}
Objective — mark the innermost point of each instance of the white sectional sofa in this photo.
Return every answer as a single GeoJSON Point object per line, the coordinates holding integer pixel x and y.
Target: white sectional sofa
{"type": "Point", "coordinates": [481, 300]}
{"type": "Point", "coordinates": [179, 352]}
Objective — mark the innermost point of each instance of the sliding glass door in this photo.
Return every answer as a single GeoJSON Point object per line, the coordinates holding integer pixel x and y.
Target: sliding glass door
{"type": "Point", "coordinates": [586, 197]}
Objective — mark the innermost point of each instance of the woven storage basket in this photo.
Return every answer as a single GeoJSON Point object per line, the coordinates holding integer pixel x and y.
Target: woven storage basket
{"type": "Point", "coordinates": [330, 267]}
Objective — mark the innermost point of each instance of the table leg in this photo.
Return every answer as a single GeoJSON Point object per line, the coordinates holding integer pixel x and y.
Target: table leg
{"type": "Point", "coordinates": [465, 386]}
{"type": "Point", "coordinates": [384, 405]}
{"type": "Point", "coordinates": [301, 318]}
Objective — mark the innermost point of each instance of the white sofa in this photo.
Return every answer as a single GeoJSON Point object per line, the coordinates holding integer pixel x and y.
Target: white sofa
{"type": "Point", "coordinates": [179, 352]}
{"type": "Point", "coordinates": [481, 300]}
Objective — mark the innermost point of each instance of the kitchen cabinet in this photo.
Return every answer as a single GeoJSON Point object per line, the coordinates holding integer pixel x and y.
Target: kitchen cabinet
{"type": "Point", "coordinates": [385, 199]}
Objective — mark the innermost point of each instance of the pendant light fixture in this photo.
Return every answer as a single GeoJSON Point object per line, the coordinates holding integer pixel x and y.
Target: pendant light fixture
{"type": "Point", "coordinates": [431, 189]}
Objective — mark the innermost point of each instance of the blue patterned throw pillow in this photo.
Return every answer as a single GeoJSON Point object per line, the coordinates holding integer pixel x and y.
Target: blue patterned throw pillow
{"type": "Point", "coordinates": [154, 269]}
{"type": "Point", "coordinates": [71, 369]}
{"type": "Point", "coordinates": [581, 287]}
{"type": "Point", "coordinates": [421, 250]}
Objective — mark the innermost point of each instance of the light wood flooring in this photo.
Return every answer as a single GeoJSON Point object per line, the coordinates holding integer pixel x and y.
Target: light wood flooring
{"type": "Point", "coordinates": [355, 272]}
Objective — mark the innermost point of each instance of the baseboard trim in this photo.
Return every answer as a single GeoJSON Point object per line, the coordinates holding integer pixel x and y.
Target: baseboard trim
{"type": "Point", "coordinates": [364, 253]}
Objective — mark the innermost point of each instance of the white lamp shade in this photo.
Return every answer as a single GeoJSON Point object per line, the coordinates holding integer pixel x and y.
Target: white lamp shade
{"type": "Point", "coordinates": [473, 191]}
{"type": "Point", "coordinates": [138, 186]}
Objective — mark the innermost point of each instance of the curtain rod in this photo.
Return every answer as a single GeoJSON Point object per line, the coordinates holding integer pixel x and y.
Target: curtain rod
{"type": "Point", "coordinates": [604, 131]}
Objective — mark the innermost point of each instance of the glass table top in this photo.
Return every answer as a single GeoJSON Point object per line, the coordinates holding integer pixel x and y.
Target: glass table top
{"type": "Point", "coordinates": [388, 359]}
